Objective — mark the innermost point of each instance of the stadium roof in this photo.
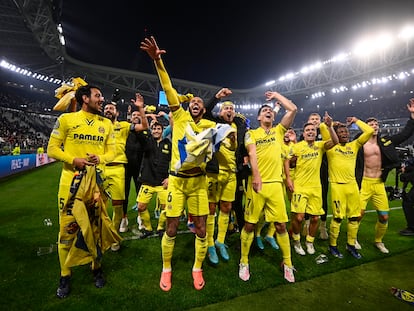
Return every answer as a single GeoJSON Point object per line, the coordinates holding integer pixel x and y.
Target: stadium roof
{"type": "Point", "coordinates": [29, 38]}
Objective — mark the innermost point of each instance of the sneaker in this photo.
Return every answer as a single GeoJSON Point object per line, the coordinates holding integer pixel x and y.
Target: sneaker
{"type": "Point", "coordinates": [357, 245]}
{"type": "Point", "coordinates": [223, 250]}
{"type": "Point", "coordinates": [335, 252]}
{"type": "Point", "coordinates": [134, 207]}
{"type": "Point", "coordinates": [382, 247]}
{"type": "Point", "coordinates": [310, 248]}
{"type": "Point", "coordinates": [139, 222]}
{"type": "Point", "coordinates": [244, 272]}
{"type": "Point", "coordinates": [98, 278]}
{"type": "Point", "coordinates": [212, 255]}
{"type": "Point", "coordinates": [146, 234]}
{"type": "Point", "coordinates": [271, 240]}
{"type": "Point", "coordinates": [298, 248]}
{"type": "Point", "coordinates": [353, 251]}
{"type": "Point", "coordinates": [407, 232]}
{"type": "Point", "coordinates": [160, 232]}
{"type": "Point", "coordinates": [191, 227]}
{"type": "Point", "coordinates": [259, 243]}
{"type": "Point", "coordinates": [323, 233]}
{"type": "Point", "coordinates": [115, 247]}
{"type": "Point", "coordinates": [165, 281]}
{"type": "Point", "coordinates": [123, 227]}
{"type": "Point", "coordinates": [198, 279]}
{"type": "Point", "coordinates": [64, 287]}
{"type": "Point", "coordinates": [288, 273]}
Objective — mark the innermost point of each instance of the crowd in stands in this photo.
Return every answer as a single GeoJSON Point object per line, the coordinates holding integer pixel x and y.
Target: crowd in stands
{"type": "Point", "coordinates": [23, 123]}
{"type": "Point", "coordinates": [28, 121]}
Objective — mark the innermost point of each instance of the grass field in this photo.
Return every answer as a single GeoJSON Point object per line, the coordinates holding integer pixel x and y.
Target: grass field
{"type": "Point", "coordinates": [29, 281]}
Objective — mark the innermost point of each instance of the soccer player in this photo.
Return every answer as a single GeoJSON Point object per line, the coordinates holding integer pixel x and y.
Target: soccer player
{"type": "Point", "coordinates": [378, 157]}
{"type": "Point", "coordinates": [265, 185]}
{"type": "Point", "coordinates": [115, 170]}
{"type": "Point", "coordinates": [229, 156]}
{"type": "Point", "coordinates": [306, 193]}
{"type": "Point", "coordinates": [315, 119]}
{"type": "Point", "coordinates": [186, 185]}
{"type": "Point", "coordinates": [154, 175]}
{"type": "Point", "coordinates": [344, 188]}
{"type": "Point", "coordinates": [87, 139]}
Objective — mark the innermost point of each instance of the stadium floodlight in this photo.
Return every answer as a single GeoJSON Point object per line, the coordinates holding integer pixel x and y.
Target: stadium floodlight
{"type": "Point", "coordinates": [339, 57]}
{"type": "Point", "coordinates": [28, 73]}
{"type": "Point", "coordinates": [270, 83]}
{"type": "Point", "coordinates": [363, 47]}
{"type": "Point", "coordinates": [407, 32]}
{"type": "Point", "coordinates": [383, 41]}
{"type": "Point", "coordinates": [60, 31]}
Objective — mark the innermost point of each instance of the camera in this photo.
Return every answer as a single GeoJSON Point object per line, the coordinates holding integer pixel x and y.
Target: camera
{"type": "Point", "coordinates": [116, 95]}
{"type": "Point", "coordinates": [394, 193]}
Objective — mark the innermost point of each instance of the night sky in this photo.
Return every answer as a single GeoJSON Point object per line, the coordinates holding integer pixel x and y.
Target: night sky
{"type": "Point", "coordinates": [225, 43]}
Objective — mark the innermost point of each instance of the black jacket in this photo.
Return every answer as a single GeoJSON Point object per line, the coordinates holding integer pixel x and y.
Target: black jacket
{"type": "Point", "coordinates": [156, 160]}
{"type": "Point", "coordinates": [134, 151]}
{"type": "Point", "coordinates": [389, 155]}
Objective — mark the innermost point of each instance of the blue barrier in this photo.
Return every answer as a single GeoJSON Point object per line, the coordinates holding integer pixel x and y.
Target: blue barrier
{"type": "Point", "coordinates": [13, 164]}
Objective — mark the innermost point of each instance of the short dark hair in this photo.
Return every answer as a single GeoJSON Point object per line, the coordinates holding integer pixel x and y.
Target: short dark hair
{"type": "Point", "coordinates": [84, 90]}
{"type": "Point", "coordinates": [264, 106]}
{"type": "Point", "coordinates": [306, 124]}
{"type": "Point", "coordinates": [370, 119]}
{"type": "Point", "coordinates": [156, 123]}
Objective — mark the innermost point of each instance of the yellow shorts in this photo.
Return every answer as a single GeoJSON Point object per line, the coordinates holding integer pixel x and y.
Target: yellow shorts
{"type": "Point", "coordinates": [307, 200]}
{"type": "Point", "coordinates": [187, 191]}
{"type": "Point", "coordinates": [227, 184]}
{"type": "Point", "coordinates": [374, 189]}
{"type": "Point", "coordinates": [270, 200]}
{"type": "Point", "coordinates": [116, 180]}
{"type": "Point", "coordinates": [146, 193]}
{"type": "Point", "coordinates": [345, 200]}
{"type": "Point", "coordinates": [212, 188]}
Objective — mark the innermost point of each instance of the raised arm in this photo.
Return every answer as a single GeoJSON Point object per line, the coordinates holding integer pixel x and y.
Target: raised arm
{"type": "Point", "coordinates": [150, 46]}
{"type": "Point", "coordinates": [139, 103]}
{"type": "Point", "coordinates": [328, 122]}
{"type": "Point", "coordinates": [367, 131]}
{"type": "Point", "coordinates": [287, 104]}
{"type": "Point", "coordinates": [408, 129]}
{"type": "Point", "coordinates": [223, 92]}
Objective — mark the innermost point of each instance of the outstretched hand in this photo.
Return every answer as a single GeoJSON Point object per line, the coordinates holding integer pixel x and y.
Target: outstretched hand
{"type": "Point", "coordinates": [139, 101]}
{"type": "Point", "coordinates": [151, 47]}
{"type": "Point", "coordinates": [327, 119]}
{"type": "Point", "coordinates": [410, 105]}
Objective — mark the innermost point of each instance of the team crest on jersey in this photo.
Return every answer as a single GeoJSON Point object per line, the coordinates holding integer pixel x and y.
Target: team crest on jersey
{"type": "Point", "coordinates": [72, 227]}
{"type": "Point", "coordinates": [101, 130]}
